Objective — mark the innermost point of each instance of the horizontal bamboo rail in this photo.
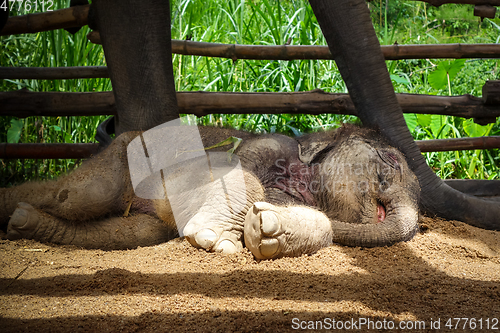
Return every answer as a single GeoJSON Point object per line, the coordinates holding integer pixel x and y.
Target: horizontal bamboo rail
{"type": "Point", "coordinates": [438, 3]}
{"type": "Point", "coordinates": [77, 16]}
{"type": "Point", "coordinates": [86, 150]}
{"type": "Point", "coordinates": [23, 103]}
{"type": "Point", "coordinates": [314, 52]}
{"type": "Point", "coordinates": [484, 142]}
{"type": "Point", "coordinates": [48, 150]}
{"type": "Point", "coordinates": [54, 20]}
{"type": "Point", "coordinates": [54, 73]}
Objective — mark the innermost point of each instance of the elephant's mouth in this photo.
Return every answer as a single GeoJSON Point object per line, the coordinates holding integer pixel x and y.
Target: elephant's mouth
{"type": "Point", "coordinates": [380, 212]}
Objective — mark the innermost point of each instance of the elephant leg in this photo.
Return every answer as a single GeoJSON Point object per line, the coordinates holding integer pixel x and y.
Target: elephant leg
{"type": "Point", "coordinates": [272, 231]}
{"type": "Point", "coordinates": [94, 189]}
{"type": "Point", "coordinates": [218, 224]}
{"type": "Point", "coordinates": [114, 233]}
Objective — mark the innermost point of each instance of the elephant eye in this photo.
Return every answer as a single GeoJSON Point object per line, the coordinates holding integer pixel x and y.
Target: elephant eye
{"type": "Point", "coordinates": [390, 158]}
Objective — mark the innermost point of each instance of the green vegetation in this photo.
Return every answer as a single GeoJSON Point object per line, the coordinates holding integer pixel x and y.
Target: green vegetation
{"type": "Point", "coordinates": [268, 22]}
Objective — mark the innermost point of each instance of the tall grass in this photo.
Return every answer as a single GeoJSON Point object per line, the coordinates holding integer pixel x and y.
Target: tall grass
{"type": "Point", "coordinates": [265, 22]}
{"type": "Point", "coordinates": [49, 49]}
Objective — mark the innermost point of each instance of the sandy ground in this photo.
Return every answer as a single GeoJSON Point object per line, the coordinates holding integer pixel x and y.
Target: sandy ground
{"type": "Point", "coordinates": [449, 270]}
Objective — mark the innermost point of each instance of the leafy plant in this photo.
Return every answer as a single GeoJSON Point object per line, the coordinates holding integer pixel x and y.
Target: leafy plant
{"type": "Point", "coordinates": [473, 130]}
{"type": "Point", "coordinates": [15, 130]}
{"type": "Point", "coordinates": [445, 73]}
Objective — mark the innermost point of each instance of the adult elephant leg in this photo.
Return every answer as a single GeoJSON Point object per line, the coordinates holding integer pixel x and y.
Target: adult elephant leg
{"type": "Point", "coordinates": [136, 40]}
{"type": "Point", "coordinates": [347, 27]}
{"type": "Point", "coordinates": [115, 233]}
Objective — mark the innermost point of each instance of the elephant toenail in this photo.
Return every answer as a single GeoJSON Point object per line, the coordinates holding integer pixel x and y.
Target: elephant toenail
{"type": "Point", "coordinates": [189, 230]}
{"type": "Point", "coordinates": [269, 223]}
{"type": "Point", "coordinates": [24, 205]}
{"type": "Point", "coordinates": [206, 238]}
{"type": "Point", "coordinates": [258, 206]}
{"type": "Point", "coordinates": [226, 247]}
{"type": "Point", "coordinates": [24, 217]}
{"type": "Point", "coordinates": [19, 218]}
{"type": "Point", "coordinates": [269, 247]}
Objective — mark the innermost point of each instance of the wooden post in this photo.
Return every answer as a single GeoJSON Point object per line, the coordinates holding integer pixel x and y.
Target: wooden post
{"type": "Point", "coordinates": [491, 92]}
{"type": "Point", "coordinates": [491, 96]}
{"type": "Point", "coordinates": [485, 11]}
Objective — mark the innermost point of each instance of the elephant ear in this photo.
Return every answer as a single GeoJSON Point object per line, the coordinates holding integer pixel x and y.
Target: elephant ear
{"type": "Point", "coordinates": [315, 145]}
{"type": "Point", "coordinates": [310, 148]}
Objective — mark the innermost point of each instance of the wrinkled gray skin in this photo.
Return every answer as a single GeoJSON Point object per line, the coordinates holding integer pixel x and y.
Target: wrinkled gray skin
{"type": "Point", "coordinates": [140, 68]}
{"type": "Point", "coordinates": [301, 194]}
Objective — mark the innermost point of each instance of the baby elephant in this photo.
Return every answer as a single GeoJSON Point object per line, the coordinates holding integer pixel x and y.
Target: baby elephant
{"type": "Point", "coordinates": [277, 195]}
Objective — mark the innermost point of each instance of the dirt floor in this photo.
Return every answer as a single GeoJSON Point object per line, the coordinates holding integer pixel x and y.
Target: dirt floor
{"type": "Point", "coordinates": [450, 270]}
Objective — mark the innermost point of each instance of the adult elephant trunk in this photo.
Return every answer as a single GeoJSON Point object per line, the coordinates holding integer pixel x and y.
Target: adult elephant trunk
{"type": "Point", "coordinates": [136, 40]}
{"type": "Point", "coordinates": [347, 27]}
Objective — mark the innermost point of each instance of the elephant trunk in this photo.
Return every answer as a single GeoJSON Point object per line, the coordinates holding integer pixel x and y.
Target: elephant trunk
{"type": "Point", "coordinates": [400, 222]}
{"type": "Point", "coordinates": [347, 27]}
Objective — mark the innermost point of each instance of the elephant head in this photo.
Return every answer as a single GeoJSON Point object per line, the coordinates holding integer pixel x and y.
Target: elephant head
{"type": "Point", "coordinates": [347, 27]}
{"type": "Point", "coordinates": [363, 185]}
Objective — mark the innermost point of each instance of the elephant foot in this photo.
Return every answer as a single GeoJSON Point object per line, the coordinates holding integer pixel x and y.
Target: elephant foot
{"type": "Point", "coordinates": [271, 231]}
{"type": "Point", "coordinates": [23, 222]}
{"type": "Point", "coordinates": [204, 231]}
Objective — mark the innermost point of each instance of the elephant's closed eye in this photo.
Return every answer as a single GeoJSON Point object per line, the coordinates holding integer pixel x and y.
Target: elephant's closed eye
{"type": "Point", "coordinates": [389, 158]}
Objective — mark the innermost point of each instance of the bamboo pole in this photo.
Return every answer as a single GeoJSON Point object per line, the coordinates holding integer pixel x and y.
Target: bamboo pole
{"type": "Point", "coordinates": [86, 150]}
{"type": "Point", "coordinates": [484, 142]}
{"type": "Point", "coordinates": [438, 3]}
{"type": "Point", "coordinates": [58, 19]}
{"type": "Point", "coordinates": [263, 52]}
{"type": "Point", "coordinates": [23, 103]}
{"type": "Point", "coordinates": [485, 11]}
{"type": "Point", "coordinates": [48, 150]}
{"type": "Point", "coordinates": [54, 73]}
{"type": "Point", "coordinates": [314, 52]}
{"type": "Point", "coordinates": [77, 16]}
